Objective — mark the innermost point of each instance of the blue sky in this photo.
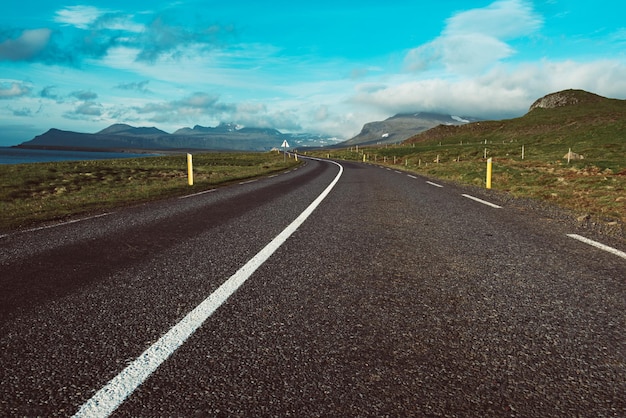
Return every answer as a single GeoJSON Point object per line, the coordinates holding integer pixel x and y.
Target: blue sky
{"type": "Point", "coordinates": [323, 67]}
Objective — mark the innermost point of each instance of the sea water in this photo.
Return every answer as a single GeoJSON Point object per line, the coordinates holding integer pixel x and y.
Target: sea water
{"type": "Point", "coordinates": [21, 155]}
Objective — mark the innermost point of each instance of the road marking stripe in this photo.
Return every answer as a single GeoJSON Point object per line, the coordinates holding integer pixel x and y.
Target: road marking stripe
{"type": "Point", "coordinates": [484, 202]}
{"type": "Point", "coordinates": [413, 177]}
{"type": "Point", "coordinates": [198, 194]}
{"type": "Point", "coordinates": [249, 181]}
{"type": "Point", "coordinates": [61, 224]}
{"type": "Point", "coordinates": [111, 396]}
{"type": "Point", "coordinates": [598, 245]}
{"type": "Point", "coordinates": [434, 184]}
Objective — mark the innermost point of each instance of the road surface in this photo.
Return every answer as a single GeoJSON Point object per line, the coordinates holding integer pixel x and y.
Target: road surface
{"type": "Point", "coordinates": [394, 296]}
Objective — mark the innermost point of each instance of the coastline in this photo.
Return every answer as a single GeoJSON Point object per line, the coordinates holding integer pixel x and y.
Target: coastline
{"type": "Point", "coordinates": [152, 151]}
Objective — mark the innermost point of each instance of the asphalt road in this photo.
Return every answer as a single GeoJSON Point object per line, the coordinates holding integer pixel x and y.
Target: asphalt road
{"type": "Point", "coordinates": [395, 297]}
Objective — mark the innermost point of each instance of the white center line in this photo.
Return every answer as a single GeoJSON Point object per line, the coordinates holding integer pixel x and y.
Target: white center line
{"type": "Point", "coordinates": [598, 245]}
{"type": "Point", "coordinates": [484, 202]}
{"type": "Point", "coordinates": [111, 396]}
{"type": "Point", "coordinates": [413, 177]}
{"type": "Point", "coordinates": [434, 184]}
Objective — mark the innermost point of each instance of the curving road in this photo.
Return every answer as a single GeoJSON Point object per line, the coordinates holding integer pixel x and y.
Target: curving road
{"type": "Point", "coordinates": [396, 296]}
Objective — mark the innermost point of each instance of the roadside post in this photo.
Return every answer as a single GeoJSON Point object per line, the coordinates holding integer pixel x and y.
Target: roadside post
{"type": "Point", "coordinates": [285, 145]}
{"type": "Point", "coordinates": [489, 169]}
{"type": "Point", "coordinates": [189, 170]}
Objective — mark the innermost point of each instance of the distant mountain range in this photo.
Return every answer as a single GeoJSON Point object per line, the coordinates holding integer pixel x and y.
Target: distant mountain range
{"type": "Point", "coordinates": [226, 136]}
{"type": "Point", "coordinates": [231, 136]}
{"type": "Point", "coordinates": [403, 126]}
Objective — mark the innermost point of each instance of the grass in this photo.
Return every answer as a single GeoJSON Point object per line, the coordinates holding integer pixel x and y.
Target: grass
{"type": "Point", "coordinates": [593, 187]}
{"type": "Point", "coordinates": [35, 193]}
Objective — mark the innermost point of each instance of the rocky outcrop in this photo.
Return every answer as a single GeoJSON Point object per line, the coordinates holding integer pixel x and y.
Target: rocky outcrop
{"type": "Point", "coordinates": [565, 98]}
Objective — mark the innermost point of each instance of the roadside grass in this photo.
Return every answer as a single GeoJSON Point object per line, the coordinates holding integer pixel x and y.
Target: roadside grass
{"type": "Point", "coordinates": [593, 187]}
{"type": "Point", "coordinates": [35, 193]}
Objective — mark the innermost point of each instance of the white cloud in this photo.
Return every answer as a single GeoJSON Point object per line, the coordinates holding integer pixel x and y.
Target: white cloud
{"type": "Point", "coordinates": [474, 40]}
{"type": "Point", "coordinates": [459, 54]}
{"type": "Point", "coordinates": [89, 109]}
{"type": "Point", "coordinates": [81, 17]}
{"type": "Point", "coordinates": [139, 86]}
{"type": "Point", "coordinates": [505, 91]}
{"type": "Point", "coordinates": [13, 89]}
{"type": "Point", "coordinates": [505, 19]}
{"type": "Point", "coordinates": [85, 95]}
{"type": "Point", "coordinates": [27, 46]}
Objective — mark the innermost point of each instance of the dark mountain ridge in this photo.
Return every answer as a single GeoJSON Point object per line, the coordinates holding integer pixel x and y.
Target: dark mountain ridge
{"type": "Point", "coordinates": [226, 136]}
{"type": "Point", "coordinates": [123, 129]}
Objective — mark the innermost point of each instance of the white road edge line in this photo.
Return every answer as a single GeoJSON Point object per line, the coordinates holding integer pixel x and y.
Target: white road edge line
{"type": "Point", "coordinates": [198, 194]}
{"type": "Point", "coordinates": [598, 245]}
{"type": "Point", "coordinates": [115, 392]}
{"type": "Point", "coordinates": [484, 202]}
{"type": "Point", "coordinates": [60, 224]}
{"type": "Point", "coordinates": [249, 181]}
{"type": "Point", "coordinates": [413, 177]}
{"type": "Point", "coordinates": [434, 184]}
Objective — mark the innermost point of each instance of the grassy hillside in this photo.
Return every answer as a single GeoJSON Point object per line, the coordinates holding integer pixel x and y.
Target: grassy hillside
{"type": "Point", "coordinates": [594, 126]}
{"type": "Point", "coordinates": [590, 125]}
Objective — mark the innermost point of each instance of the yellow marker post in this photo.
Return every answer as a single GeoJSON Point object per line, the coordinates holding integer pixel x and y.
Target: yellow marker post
{"type": "Point", "coordinates": [489, 169]}
{"type": "Point", "coordinates": [189, 169]}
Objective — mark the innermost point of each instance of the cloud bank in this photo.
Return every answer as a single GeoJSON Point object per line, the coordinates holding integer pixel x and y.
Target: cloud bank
{"type": "Point", "coordinates": [469, 69]}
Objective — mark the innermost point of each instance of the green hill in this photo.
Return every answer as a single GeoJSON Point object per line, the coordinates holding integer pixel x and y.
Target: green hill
{"type": "Point", "coordinates": [591, 125]}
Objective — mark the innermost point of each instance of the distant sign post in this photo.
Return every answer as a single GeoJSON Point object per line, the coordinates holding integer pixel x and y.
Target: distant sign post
{"type": "Point", "coordinates": [285, 145]}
